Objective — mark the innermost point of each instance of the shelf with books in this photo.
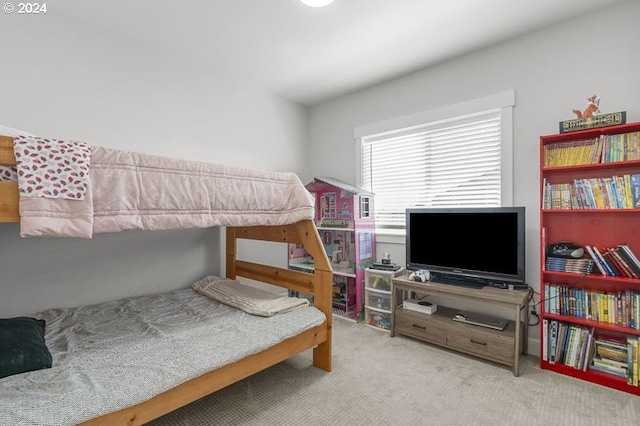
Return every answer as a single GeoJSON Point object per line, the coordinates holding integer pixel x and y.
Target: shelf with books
{"type": "Point", "coordinates": [601, 304]}
{"type": "Point", "coordinates": [612, 186]}
{"type": "Point", "coordinates": [570, 277]}
{"type": "Point", "coordinates": [587, 197]}
{"type": "Point", "coordinates": [592, 323]}
{"type": "Point", "coordinates": [594, 376]}
{"type": "Point", "coordinates": [604, 356]}
{"type": "Point", "coordinates": [594, 146]}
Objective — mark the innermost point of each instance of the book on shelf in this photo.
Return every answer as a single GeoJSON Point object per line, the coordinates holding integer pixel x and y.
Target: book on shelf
{"type": "Point", "coordinates": [610, 367]}
{"type": "Point", "coordinates": [632, 360]}
{"type": "Point", "coordinates": [635, 190]}
{"type": "Point", "coordinates": [596, 260]}
{"type": "Point", "coordinates": [582, 357]}
{"type": "Point", "coordinates": [551, 299]}
{"type": "Point", "coordinates": [576, 346]}
{"type": "Point", "coordinates": [617, 254]}
{"type": "Point", "coordinates": [545, 339]}
{"type": "Point", "coordinates": [564, 335]}
{"type": "Point", "coordinates": [561, 264]}
{"type": "Point", "coordinates": [611, 354]}
{"type": "Point", "coordinates": [553, 340]}
{"type": "Point", "coordinates": [605, 263]}
{"type": "Point", "coordinates": [612, 339]}
{"type": "Point", "coordinates": [627, 260]}
{"type": "Point", "coordinates": [625, 251]}
{"type": "Point", "coordinates": [543, 242]}
{"type": "Point", "coordinates": [568, 345]}
{"type": "Point", "coordinates": [547, 295]}
{"type": "Point", "coordinates": [598, 195]}
{"type": "Point", "coordinates": [627, 191]}
{"type": "Point", "coordinates": [613, 262]}
{"type": "Point", "coordinates": [590, 349]}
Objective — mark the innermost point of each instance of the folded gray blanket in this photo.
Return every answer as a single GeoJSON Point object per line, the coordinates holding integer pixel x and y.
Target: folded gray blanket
{"type": "Point", "coordinates": [249, 299]}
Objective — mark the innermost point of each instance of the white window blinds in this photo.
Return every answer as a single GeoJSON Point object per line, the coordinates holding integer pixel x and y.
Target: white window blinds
{"type": "Point", "coordinates": [445, 164]}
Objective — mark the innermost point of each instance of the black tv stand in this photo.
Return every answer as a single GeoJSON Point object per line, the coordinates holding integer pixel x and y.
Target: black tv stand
{"type": "Point", "coordinates": [455, 280]}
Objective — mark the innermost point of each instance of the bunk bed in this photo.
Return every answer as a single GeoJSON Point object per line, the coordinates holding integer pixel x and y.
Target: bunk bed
{"type": "Point", "coordinates": [318, 284]}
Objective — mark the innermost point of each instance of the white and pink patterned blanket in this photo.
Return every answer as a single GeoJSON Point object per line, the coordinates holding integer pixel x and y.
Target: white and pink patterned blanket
{"type": "Point", "coordinates": [51, 168]}
{"type": "Point", "coordinates": [119, 353]}
{"type": "Point", "coordinates": [107, 190]}
{"type": "Point", "coordinates": [8, 173]}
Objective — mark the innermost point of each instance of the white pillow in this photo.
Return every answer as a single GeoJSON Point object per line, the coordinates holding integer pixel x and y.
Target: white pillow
{"type": "Point", "coordinates": [9, 131]}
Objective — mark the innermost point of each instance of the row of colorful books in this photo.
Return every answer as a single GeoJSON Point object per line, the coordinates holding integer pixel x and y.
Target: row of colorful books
{"type": "Point", "coordinates": [620, 147]}
{"type": "Point", "coordinates": [603, 149]}
{"type": "Point", "coordinates": [587, 151]}
{"type": "Point", "coordinates": [615, 192]}
{"type": "Point", "coordinates": [620, 308]}
{"type": "Point", "coordinates": [584, 348]}
{"type": "Point", "coordinates": [563, 264]}
{"type": "Point", "coordinates": [618, 261]}
{"type": "Point", "coordinates": [566, 343]}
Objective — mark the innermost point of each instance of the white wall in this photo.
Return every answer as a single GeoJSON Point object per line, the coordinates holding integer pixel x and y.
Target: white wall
{"type": "Point", "coordinates": [64, 78]}
{"type": "Point", "coordinates": [552, 72]}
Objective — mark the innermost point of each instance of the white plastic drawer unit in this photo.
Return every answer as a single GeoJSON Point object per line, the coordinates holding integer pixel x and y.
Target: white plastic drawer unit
{"type": "Point", "coordinates": [377, 299]}
{"type": "Point", "coordinates": [379, 280]}
{"type": "Point", "coordinates": [378, 318]}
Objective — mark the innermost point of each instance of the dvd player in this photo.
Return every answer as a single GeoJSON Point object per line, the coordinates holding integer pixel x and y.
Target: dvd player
{"type": "Point", "coordinates": [481, 320]}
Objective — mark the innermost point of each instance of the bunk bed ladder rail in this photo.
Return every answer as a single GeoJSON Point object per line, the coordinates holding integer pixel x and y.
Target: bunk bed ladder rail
{"type": "Point", "coordinates": [8, 190]}
{"type": "Point", "coordinates": [318, 284]}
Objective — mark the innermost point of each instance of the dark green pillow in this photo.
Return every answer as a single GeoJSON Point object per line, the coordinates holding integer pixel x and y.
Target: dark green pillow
{"type": "Point", "coordinates": [22, 346]}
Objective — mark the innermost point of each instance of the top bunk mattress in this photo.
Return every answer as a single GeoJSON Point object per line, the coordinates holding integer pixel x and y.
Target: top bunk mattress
{"type": "Point", "coordinates": [119, 353]}
{"type": "Point", "coordinates": [72, 189]}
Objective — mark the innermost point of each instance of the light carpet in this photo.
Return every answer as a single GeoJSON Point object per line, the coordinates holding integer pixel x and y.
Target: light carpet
{"type": "Point", "coordinates": [381, 380]}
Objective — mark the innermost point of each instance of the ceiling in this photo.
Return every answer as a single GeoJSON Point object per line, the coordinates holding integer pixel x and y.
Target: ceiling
{"type": "Point", "coordinates": [311, 55]}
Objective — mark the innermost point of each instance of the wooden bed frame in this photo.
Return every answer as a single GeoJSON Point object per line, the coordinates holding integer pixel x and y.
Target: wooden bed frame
{"type": "Point", "coordinates": [318, 284]}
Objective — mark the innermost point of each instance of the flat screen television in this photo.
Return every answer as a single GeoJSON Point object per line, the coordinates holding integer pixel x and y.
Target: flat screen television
{"type": "Point", "coordinates": [468, 246]}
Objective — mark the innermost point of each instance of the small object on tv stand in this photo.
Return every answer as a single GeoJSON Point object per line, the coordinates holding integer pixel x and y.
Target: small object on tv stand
{"type": "Point", "coordinates": [461, 282]}
{"type": "Point", "coordinates": [420, 275]}
{"type": "Point", "coordinates": [508, 285]}
{"type": "Point", "coordinates": [421, 306]}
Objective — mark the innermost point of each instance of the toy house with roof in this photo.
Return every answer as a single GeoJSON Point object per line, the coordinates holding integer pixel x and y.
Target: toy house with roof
{"type": "Point", "coordinates": [344, 217]}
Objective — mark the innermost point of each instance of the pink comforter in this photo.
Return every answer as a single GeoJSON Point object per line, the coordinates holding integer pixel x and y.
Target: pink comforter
{"type": "Point", "coordinates": [130, 190]}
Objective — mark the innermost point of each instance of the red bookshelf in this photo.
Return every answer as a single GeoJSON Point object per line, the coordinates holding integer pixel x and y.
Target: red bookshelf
{"type": "Point", "coordinates": [574, 210]}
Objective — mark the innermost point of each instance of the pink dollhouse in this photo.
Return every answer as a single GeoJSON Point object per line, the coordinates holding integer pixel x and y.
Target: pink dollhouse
{"type": "Point", "coordinates": [345, 221]}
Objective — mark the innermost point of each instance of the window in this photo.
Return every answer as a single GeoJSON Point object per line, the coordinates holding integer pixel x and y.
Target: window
{"type": "Point", "coordinates": [364, 207]}
{"type": "Point", "coordinates": [455, 161]}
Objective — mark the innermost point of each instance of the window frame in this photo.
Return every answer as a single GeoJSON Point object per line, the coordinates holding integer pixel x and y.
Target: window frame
{"type": "Point", "coordinates": [504, 101]}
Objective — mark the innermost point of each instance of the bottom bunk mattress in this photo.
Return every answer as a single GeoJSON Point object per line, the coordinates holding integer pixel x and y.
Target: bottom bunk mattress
{"type": "Point", "coordinates": [116, 354]}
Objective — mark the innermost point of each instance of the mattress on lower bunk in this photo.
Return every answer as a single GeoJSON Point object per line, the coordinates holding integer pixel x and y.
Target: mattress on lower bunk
{"type": "Point", "coordinates": [116, 354]}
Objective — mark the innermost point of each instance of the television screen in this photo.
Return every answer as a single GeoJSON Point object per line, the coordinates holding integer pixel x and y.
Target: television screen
{"type": "Point", "coordinates": [474, 246]}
